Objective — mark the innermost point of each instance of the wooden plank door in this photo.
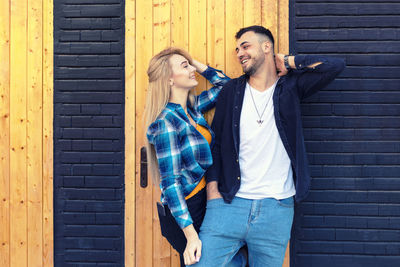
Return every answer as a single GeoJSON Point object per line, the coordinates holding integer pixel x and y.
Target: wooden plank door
{"type": "Point", "coordinates": [152, 35]}
{"type": "Point", "coordinates": [206, 29]}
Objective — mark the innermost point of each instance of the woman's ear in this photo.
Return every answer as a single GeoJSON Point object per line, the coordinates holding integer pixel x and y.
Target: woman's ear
{"type": "Point", "coordinates": [171, 82]}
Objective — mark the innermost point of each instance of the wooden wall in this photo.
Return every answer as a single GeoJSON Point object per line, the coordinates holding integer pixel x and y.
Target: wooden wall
{"type": "Point", "coordinates": [205, 28]}
{"type": "Point", "coordinates": [26, 167]}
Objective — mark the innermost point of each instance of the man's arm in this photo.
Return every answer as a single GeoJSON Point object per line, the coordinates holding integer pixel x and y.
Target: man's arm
{"type": "Point", "coordinates": [315, 72]}
{"type": "Point", "coordinates": [214, 172]}
{"type": "Point", "coordinates": [212, 190]}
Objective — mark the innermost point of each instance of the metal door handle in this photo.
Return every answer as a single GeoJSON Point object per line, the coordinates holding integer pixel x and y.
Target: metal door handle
{"type": "Point", "coordinates": [143, 167]}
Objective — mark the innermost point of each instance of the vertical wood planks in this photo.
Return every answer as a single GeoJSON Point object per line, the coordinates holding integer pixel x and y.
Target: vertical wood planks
{"type": "Point", "coordinates": [175, 260]}
{"type": "Point", "coordinates": [34, 132]}
{"type": "Point", "coordinates": [144, 201]}
{"type": "Point", "coordinates": [179, 38]}
{"type": "Point", "coordinates": [283, 26]}
{"type": "Point", "coordinates": [215, 40]}
{"type": "Point", "coordinates": [233, 22]}
{"type": "Point", "coordinates": [215, 34]}
{"type": "Point", "coordinates": [47, 138]}
{"type": "Point", "coordinates": [198, 36]}
{"type": "Point", "coordinates": [269, 18]}
{"type": "Point", "coordinates": [5, 133]}
{"type": "Point", "coordinates": [161, 40]}
{"type": "Point", "coordinates": [206, 29]}
{"type": "Point", "coordinates": [180, 24]}
{"type": "Point", "coordinates": [130, 105]}
{"type": "Point", "coordinates": [18, 166]}
{"type": "Point", "coordinates": [252, 12]}
{"type": "Point", "coordinates": [26, 126]}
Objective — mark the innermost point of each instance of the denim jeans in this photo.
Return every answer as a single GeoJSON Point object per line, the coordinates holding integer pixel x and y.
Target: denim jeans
{"type": "Point", "coordinates": [264, 225]}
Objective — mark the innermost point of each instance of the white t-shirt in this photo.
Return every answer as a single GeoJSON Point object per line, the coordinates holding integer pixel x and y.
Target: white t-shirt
{"type": "Point", "coordinates": [264, 163]}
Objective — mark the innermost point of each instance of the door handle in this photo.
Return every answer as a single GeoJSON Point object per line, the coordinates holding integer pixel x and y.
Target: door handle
{"type": "Point", "coordinates": [143, 167]}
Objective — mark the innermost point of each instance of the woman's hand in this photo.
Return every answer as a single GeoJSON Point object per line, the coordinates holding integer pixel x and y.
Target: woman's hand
{"type": "Point", "coordinates": [200, 67]}
{"type": "Point", "coordinates": [192, 252]}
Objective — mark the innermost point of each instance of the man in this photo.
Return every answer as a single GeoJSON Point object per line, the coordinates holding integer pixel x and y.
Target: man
{"type": "Point", "coordinates": [260, 163]}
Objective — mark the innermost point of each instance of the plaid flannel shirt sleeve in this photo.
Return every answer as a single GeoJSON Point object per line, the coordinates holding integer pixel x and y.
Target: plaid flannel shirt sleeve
{"type": "Point", "coordinates": [207, 99]}
{"type": "Point", "coordinates": [167, 146]}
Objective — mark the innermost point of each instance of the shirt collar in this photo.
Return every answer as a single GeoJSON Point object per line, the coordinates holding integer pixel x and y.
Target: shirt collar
{"type": "Point", "coordinates": [173, 106]}
{"type": "Point", "coordinates": [178, 109]}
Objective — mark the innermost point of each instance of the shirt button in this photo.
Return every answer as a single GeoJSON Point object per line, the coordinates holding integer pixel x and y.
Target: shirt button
{"type": "Point", "coordinates": [239, 178]}
{"type": "Point", "coordinates": [237, 160]}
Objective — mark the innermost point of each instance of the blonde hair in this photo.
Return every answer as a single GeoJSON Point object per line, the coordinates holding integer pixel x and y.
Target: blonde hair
{"type": "Point", "coordinates": [158, 94]}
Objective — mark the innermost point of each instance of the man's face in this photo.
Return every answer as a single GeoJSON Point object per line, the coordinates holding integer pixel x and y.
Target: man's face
{"type": "Point", "coordinates": [249, 52]}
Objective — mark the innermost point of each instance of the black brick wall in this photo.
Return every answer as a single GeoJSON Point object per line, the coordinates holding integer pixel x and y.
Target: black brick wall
{"type": "Point", "coordinates": [89, 132]}
{"type": "Point", "coordinates": [352, 129]}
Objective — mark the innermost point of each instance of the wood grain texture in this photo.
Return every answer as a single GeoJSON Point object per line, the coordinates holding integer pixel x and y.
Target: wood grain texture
{"type": "Point", "coordinates": [18, 136]}
{"type": "Point", "coordinates": [161, 40]}
{"type": "Point", "coordinates": [144, 196]}
{"type": "Point", "coordinates": [26, 84]}
{"type": "Point", "coordinates": [206, 29]}
{"type": "Point", "coordinates": [34, 132]}
{"type": "Point", "coordinates": [180, 24]}
{"type": "Point", "coordinates": [252, 12]}
{"type": "Point", "coordinates": [5, 133]}
{"type": "Point", "coordinates": [283, 27]}
{"type": "Point", "coordinates": [270, 18]}
{"type": "Point", "coordinates": [233, 22]}
{"type": "Point", "coordinates": [47, 138]}
{"type": "Point", "coordinates": [179, 38]}
{"type": "Point", "coordinates": [130, 142]}
{"type": "Point", "coordinates": [198, 36]}
{"type": "Point", "coordinates": [215, 41]}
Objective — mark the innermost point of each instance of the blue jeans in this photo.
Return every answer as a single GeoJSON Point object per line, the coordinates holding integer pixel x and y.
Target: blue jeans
{"type": "Point", "coordinates": [264, 225]}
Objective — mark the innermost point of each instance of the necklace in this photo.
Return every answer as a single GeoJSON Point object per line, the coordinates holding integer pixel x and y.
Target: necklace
{"type": "Point", "coordinates": [260, 121]}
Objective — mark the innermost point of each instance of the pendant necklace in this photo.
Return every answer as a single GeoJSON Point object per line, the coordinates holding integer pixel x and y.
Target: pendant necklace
{"type": "Point", "coordinates": [260, 121]}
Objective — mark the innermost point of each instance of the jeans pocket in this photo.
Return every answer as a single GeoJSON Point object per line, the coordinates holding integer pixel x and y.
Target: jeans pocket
{"type": "Point", "coordinates": [213, 201]}
{"type": "Point", "coordinates": [286, 202]}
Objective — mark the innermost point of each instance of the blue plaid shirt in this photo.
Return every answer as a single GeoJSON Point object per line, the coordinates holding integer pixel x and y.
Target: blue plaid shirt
{"type": "Point", "coordinates": [183, 154]}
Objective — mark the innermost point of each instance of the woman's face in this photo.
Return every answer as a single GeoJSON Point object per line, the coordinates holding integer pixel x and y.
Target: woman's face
{"type": "Point", "coordinates": [183, 74]}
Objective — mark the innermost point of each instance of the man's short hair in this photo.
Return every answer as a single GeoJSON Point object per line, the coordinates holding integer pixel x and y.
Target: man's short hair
{"type": "Point", "coordinates": [256, 29]}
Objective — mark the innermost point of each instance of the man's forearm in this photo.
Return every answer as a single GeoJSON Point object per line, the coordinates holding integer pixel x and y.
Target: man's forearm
{"type": "Point", "coordinates": [292, 63]}
{"type": "Point", "coordinates": [212, 190]}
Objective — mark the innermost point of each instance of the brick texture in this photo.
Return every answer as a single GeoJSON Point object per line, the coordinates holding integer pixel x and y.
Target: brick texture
{"type": "Point", "coordinates": [352, 129]}
{"type": "Point", "coordinates": [89, 132]}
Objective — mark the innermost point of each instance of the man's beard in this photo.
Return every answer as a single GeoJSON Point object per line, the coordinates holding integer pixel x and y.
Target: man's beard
{"type": "Point", "coordinates": [258, 61]}
{"type": "Point", "coordinates": [250, 71]}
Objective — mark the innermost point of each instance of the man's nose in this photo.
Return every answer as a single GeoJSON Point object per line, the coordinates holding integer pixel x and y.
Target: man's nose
{"type": "Point", "coordinates": [239, 54]}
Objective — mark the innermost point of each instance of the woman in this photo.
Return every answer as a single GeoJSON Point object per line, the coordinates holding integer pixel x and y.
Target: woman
{"type": "Point", "coordinates": [179, 140]}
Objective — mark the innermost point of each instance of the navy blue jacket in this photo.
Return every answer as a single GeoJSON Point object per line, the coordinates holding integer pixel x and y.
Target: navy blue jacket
{"type": "Point", "coordinates": [290, 90]}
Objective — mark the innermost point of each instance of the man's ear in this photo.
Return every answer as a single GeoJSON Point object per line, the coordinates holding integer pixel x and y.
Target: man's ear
{"type": "Point", "coordinates": [267, 47]}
